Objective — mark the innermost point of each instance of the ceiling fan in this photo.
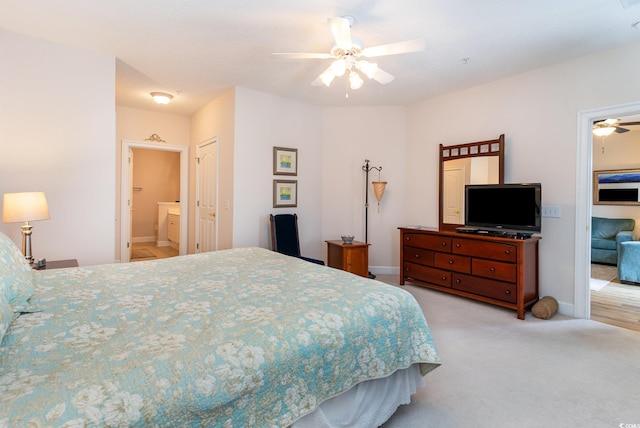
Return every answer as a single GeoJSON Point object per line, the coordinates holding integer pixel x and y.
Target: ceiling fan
{"type": "Point", "coordinates": [347, 52]}
{"type": "Point", "coordinates": [602, 128]}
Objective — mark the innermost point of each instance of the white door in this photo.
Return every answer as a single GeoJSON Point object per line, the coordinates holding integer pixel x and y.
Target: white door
{"type": "Point", "coordinates": [454, 179]}
{"type": "Point", "coordinates": [130, 190]}
{"type": "Point", "coordinates": [206, 198]}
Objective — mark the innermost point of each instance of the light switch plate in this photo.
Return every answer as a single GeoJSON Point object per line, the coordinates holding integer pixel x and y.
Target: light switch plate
{"type": "Point", "coordinates": [551, 211]}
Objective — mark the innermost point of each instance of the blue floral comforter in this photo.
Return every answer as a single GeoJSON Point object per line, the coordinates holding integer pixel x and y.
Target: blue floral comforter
{"type": "Point", "coordinates": [235, 338]}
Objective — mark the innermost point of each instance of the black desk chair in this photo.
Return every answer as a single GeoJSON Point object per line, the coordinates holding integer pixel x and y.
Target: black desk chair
{"type": "Point", "coordinates": [284, 236]}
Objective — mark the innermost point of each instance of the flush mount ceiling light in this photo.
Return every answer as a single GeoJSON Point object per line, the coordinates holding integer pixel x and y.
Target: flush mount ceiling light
{"type": "Point", "coordinates": [161, 97]}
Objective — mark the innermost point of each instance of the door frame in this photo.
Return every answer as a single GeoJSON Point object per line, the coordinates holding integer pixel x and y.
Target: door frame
{"type": "Point", "coordinates": [584, 200]}
{"type": "Point", "coordinates": [125, 185]}
{"type": "Point", "coordinates": [212, 140]}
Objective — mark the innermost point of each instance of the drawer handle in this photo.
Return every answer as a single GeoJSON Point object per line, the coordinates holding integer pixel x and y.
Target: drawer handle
{"type": "Point", "coordinates": [408, 238]}
{"type": "Point", "coordinates": [444, 278]}
{"type": "Point", "coordinates": [458, 245]}
{"type": "Point", "coordinates": [507, 292]}
{"type": "Point", "coordinates": [450, 262]}
{"type": "Point", "coordinates": [507, 251]}
{"type": "Point", "coordinates": [443, 244]}
{"type": "Point", "coordinates": [407, 269]}
{"type": "Point", "coordinates": [492, 269]}
{"type": "Point", "coordinates": [458, 281]}
{"type": "Point", "coordinates": [417, 256]}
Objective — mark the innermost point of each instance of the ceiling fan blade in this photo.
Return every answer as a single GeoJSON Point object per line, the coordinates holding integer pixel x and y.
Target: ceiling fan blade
{"type": "Point", "coordinates": [394, 48]}
{"type": "Point", "coordinates": [302, 55]}
{"type": "Point", "coordinates": [621, 130]}
{"type": "Point", "coordinates": [341, 30]}
{"type": "Point", "coordinates": [629, 123]}
{"type": "Point", "coordinates": [382, 77]}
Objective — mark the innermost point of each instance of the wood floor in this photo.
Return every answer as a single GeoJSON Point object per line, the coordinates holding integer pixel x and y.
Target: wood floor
{"type": "Point", "coordinates": [616, 303]}
{"type": "Point", "coordinates": [150, 251]}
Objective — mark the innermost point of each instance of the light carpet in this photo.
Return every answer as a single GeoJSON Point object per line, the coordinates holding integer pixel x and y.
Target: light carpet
{"type": "Point", "coordinates": [498, 371]}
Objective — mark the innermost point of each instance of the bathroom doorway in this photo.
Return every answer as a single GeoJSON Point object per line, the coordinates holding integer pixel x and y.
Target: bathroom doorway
{"type": "Point", "coordinates": [130, 188]}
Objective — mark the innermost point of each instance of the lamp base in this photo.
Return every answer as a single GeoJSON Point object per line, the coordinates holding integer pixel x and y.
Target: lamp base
{"type": "Point", "coordinates": [26, 241]}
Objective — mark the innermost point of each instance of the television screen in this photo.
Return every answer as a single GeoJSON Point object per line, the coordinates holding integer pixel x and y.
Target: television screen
{"type": "Point", "coordinates": [514, 207]}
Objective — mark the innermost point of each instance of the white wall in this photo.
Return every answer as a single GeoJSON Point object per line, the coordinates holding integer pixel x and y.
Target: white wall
{"type": "Point", "coordinates": [352, 135]}
{"type": "Point", "coordinates": [537, 112]}
{"type": "Point", "coordinates": [57, 133]}
{"type": "Point", "coordinates": [262, 122]}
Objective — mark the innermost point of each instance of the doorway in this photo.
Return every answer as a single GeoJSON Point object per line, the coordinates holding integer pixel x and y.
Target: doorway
{"type": "Point", "coordinates": [584, 200]}
{"type": "Point", "coordinates": [127, 191]}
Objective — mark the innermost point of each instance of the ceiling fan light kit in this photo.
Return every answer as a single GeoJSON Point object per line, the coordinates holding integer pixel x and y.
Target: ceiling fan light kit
{"type": "Point", "coordinates": [345, 53]}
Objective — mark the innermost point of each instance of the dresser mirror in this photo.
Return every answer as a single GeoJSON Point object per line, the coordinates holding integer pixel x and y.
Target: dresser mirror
{"type": "Point", "coordinates": [471, 163]}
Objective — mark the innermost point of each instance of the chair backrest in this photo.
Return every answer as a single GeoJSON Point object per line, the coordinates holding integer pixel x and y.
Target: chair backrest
{"type": "Point", "coordinates": [284, 234]}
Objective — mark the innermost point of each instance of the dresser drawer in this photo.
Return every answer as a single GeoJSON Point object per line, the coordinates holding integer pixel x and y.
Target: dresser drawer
{"type": "Point", "coordinates": [426, 274]}
{"type": "Point", "coordinates": [485, 287]}
{"type": "Point", "coordinates": [494, 270]}
{"type": "Point", "coordinates": [431, 242]}
{"type": "Point", "coordinates": [452, 262]}
{"type": "Point", "coordinates": [418, 255]}
{"type": "Point", "coordinates": [484, 249]}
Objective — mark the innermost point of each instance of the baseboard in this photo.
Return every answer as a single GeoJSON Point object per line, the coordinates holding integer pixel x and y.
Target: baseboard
{"type": "Point", "coordinates": [163, 243]}
{"type": "Point", "coordinates": [384, 270]}
{"type": "Point", "coordinates": [139, 239]}
{"type": "Point", "coordinates": [565, 308]}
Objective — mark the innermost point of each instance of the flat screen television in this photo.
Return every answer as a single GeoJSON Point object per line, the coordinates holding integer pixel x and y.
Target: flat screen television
{"type": "Point", "coordinates": [504, 207]}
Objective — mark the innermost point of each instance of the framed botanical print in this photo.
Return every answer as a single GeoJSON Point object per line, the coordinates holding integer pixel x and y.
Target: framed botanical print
{"type": "Point", "coordinates": [285, 161]}
{"type": "Point", "coordinates": [285, 193]}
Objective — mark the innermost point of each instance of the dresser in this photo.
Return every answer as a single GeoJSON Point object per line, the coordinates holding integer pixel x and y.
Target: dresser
{"type": "Point", "coordinates": [352, 257]}
{"type": "Point", "coordinates": [497, 270]}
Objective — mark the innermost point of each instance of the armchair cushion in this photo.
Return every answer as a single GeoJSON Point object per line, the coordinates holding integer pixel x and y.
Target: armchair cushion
{"type": "Point", "coordinates": [606, 236]}
{"type": "Point", "coordinates": [629, 262]}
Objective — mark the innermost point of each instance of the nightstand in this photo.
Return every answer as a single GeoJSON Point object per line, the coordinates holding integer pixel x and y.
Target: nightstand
{"type": "Point", "coordinates": [352, 257]}
{"type": "Point", "coordinates": [59, 264]}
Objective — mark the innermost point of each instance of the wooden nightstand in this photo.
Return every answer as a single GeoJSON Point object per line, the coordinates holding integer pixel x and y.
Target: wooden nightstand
{"type": "Point", "coordinates": [59, 264]}
{"type": "Point", "coordinates": [352, 257]}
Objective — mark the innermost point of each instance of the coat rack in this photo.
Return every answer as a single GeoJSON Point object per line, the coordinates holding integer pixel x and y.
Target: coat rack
{"type": "Point", "coordinates": [378, 187]}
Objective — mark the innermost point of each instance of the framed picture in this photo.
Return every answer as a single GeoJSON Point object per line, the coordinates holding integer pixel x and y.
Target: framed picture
{"type": "Point", "coordinates": [285, 193]}
{"type": "Point", "coordinates": [285, 161]}
{"type": "Point", "coordinates": [616, 187]}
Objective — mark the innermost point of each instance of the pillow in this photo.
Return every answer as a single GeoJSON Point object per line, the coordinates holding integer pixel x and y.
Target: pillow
{"type": "Point", "coordinates": [15, 274]}
{"type": "Point", "coordinates": [6, 314]}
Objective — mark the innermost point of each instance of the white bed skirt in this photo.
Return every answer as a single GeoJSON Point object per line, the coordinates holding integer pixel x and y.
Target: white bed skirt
{"type": "Point", "coordinates": [368, 404]}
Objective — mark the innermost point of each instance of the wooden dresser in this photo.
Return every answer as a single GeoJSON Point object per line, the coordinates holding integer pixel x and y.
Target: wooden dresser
{"type": "Point", "coordinates": [497, 270]}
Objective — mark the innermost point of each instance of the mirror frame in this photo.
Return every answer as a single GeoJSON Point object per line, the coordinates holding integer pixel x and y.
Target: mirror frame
{"type": "Point", "coordinates": [632, 174]}
{"type": "Point", "coordinates": [469, 150]}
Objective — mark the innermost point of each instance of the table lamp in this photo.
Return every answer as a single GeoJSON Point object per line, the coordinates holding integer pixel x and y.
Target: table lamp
{"type": "Point", "coordinates": [26, 207]}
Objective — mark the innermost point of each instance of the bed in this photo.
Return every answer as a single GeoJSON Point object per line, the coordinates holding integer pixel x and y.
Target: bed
{"type": "Point", "coordinates": [234, 338]}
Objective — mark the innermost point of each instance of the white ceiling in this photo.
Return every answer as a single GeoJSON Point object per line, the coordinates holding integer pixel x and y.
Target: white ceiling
{"type": "Point", "coordinates": [196, 49]}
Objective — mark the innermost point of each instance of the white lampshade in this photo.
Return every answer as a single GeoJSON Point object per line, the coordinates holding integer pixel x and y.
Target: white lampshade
{"type": "Point", "coordinates": [327, 77]}
{"type": "Point", "coordinates": [338, 67]}
{"type": "Point", "coordinates": [603, 131]}
{"type": "Point", "coordinates": [355, 81]}
{"type": "Point", "coordinates": [368, 68]}
{"type": "Point", "coordinates": [25, 206]}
